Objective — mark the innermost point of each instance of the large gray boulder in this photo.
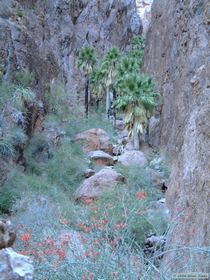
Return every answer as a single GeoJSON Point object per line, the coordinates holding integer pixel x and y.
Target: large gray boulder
{"type": "Point", "coordinates": [133, 158]}
{"type": "Point", "coordinates": [14, 266]}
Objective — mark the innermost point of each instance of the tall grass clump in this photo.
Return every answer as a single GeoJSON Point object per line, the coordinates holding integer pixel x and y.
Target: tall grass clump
{"type": "Point", "coordinates": [67, 166]}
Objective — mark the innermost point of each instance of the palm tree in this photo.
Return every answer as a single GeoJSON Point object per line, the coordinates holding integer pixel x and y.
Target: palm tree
{"type": "Point", "coordinates": [86, 62]}
{"type": "Point", "coordinates": [137, 49]}
{"type": "Point", "coordinates": [97, 85]}
{"type": "Point", "coordinates": [137, 100]}
{"type": "Point", "coordinates": [109, 72]}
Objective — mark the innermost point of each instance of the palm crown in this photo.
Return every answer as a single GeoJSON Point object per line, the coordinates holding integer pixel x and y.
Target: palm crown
{"type": "Point", "coordinates": [87, 59]}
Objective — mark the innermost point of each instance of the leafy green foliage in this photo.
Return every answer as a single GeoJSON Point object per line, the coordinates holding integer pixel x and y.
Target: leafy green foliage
{"type": "Point", "coordinates": [58, 101]}
{"type": "Point", "coordinates": [87, 59]}
{"type": "Point", "coordinates": [118, 75]}
{"type": "Point", "coordinates": [137, 49]}
{"type": "Point", "coordinates": [22, 96]}
{"type": "Point", "coordinates": [24, 79]}
{"type": "Point", "coordinates": [6, 146]}
{"type": "Point", "coordinates": [137, 100]}
{"type": "Point", "coordinates": [6, 94]}
{"type": "Point", "coordinates": [10, 191]}
{"type": "Point", "coordinates": [66, 167]}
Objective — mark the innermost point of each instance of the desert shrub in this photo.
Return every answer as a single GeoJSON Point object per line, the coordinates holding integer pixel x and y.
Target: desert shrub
{"type": "Point", "coordinates": [94, 120]}
{"type": "Point", "coordinates": [127, 207]}
{"type": "Point", "coordinates": [6, 146]}
{"type": "Point", "coordinates": [10, 191]}
{"type": "Point", "coordinates": [24, 79]}
{"type": "Point", "coordinates": [7, 198]}
{"type": "Point", "coordinates": [67, 166]}
{"type": "Point", "coordinates": [20, 13]}
{"type": "Point", "coordinates": [58, 101]}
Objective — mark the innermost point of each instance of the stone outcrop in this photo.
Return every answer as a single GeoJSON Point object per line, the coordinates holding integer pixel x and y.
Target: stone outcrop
{"type": "Point", "coordinates": [144, 11]}
{"type": "Point", "coordinates": [12, 265]}
{"type": "Point", "coordinates": [101, 158]}
{"type": "Point", "coordinates": [7, 234]}
{"type": "Point", "coordinates": [102, 182]}
{"type": "Point", "coordinates": [44, 37]}
{"type": "Point", "coordinates": [177, 56]}
{"type": "Point", "coordinates": [95, 139]}
{"type": "Point", "coordinates": [133, 158]}
{"type": "Point", "coordinates": [15, 266]}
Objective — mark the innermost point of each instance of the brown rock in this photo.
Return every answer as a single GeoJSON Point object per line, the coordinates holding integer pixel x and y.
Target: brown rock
{"type": "Point", "coordinates": [95, 139]}
{"type": "Point", "coordinates": [101, 158]}
{"type": "Point", "coordinates": [103, 181]}
{"type": "Point", "coordinates": [7, 234]}
{"type": "Point", "coordinates": [130, 158]}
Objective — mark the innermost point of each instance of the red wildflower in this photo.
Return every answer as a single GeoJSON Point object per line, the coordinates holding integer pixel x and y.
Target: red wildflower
{"type": "Point", "coordinates": [61, 254]}
{"type": "Point", "coordinates": [141, 195]}
{"type": "Point", "coordinates": [64, 222]}
{"type": "Point", "coordinates": [49, 242]}
{"type": "Point", "coordinates": [86, 254]}
{"type": "Point", "coordinates": [87, 201]}
{"type": "Point", "coordinates": [120, 226]}
{"type": "Point", "coordinates": [26, 236]}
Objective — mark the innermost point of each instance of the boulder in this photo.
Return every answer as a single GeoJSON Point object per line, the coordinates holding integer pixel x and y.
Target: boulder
{"type": "Point", "coordinates": [101, 158]}
{"type": "Point", "coordinates": [129, 146]}
{"type": "Point", "coordinates": [89, 172]}
{"type": "Point", "coordinates": [158, 180]}
{"type": "Point", "coordinates": [133, 158]}
{"type": "Point", "coordinates": [103, 181]}
{"type": "Point", "coordinates": [14, 266]}
{"type": "Point", "coordinates": [95, 139]}
{"type": "Point", "coordinates": [154, 131]}
{"type": "Point", "coordinates": [118, 149]}
{"type": "Point", "coordinates": [120, 125]}
{"type": "Point", "coordinates": [7, 234]}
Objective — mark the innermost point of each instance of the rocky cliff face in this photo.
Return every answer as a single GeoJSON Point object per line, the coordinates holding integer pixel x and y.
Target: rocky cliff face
{"type": "Point", "coordinates": [177, 55]}
{"type": "Point", "coordinates": [45, 37]}
{"type": "Point", "coordinates": [144, 11]}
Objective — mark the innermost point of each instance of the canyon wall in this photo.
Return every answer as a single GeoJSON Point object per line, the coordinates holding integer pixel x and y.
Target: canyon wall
{"type": "Point", "coordinates": [44, 37]}
{"type": "Point", "coordinates": [178, 57]}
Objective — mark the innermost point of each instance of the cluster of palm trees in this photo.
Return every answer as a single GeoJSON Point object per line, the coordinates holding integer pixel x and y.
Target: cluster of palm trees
{"type": "Point", "coordinates": [116, 78]}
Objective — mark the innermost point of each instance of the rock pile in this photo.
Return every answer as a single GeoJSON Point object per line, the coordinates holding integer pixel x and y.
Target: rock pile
{"type": "Point", "coordinates": [13, 266]}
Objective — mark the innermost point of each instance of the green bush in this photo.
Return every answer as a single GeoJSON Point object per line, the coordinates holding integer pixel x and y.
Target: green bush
{"type": "Point", "coordinates": [10, 191]}
{"type": "Point", "coordinates": [7, 198]}
{"type": "Point", "coordinates": [66, 168]}
{"type": "Point", "coordinates": [6, 147]}
{"type": "Point", "coordinates": [24, 79]}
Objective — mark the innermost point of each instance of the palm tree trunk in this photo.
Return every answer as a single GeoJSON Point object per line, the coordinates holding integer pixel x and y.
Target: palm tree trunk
{"type": "Point", "coordinates": [136, 140]}
{"type": "Point", "coordinates": [108, 103]}
{"type": "Point", "coordinates": [87, 97]}
{"type": "Point", "coordinates": [97, 104]}
{"type": "Point", "coordinates": [114, 108]}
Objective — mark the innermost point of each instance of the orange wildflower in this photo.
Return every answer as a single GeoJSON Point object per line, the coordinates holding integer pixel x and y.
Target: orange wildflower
{"type": "Point", "coordinates": [64, 222]}
{"type": "Point", "coordinates": [26, 236]}
{"type": "Point", "coordinates": [141, 195]}
{"type": "Point", "coordinates": [61, 254]}
{"type": "Point", "coordinates": [87, 201]}
{"type": "Point", "coordinates": [120, 226]}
